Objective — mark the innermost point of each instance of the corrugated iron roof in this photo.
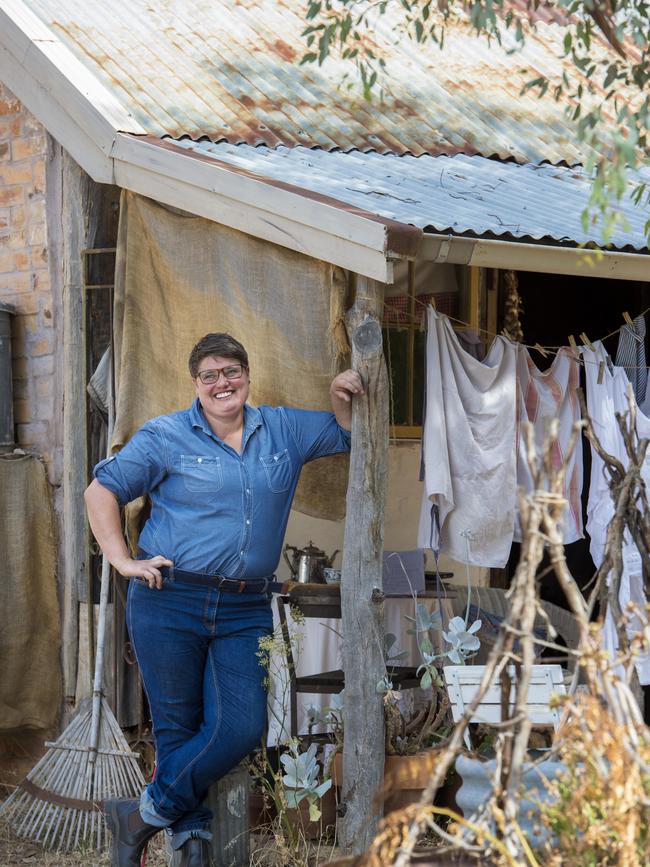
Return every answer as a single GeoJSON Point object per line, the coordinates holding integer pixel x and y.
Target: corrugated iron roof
{"type": "Point", "coordinates": [228, 70]}
{"type": "Point", "coordinates": [460, 194]}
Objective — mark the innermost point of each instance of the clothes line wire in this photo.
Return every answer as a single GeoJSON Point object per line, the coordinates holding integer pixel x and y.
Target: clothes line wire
{"type": "Point", "coordinates": [550, 350]}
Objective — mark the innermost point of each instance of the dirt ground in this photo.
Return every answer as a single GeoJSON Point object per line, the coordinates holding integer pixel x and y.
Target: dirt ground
{"type": "Point", "coordinates": [18, 852]}
{"type": "Point", "coordinates": [15, 851]}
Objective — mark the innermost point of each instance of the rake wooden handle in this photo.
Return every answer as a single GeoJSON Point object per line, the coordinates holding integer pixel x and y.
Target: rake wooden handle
{"type": "Point", "coordinates": [103, 599]}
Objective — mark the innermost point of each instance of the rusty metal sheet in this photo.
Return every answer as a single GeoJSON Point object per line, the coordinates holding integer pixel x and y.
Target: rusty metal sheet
{"type": "Point", "coordinates": [227, 70]}
{"type": "Point", "coordinates": [462, 195]}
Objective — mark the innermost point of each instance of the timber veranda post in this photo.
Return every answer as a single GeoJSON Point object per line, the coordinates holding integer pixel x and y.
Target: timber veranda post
{"type": "Point", "coordinates": [361, 584]}
{"type": "Point", "coordinates": [76, 205]}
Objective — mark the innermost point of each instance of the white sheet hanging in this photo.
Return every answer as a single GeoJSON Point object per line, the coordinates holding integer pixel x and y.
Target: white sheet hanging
{"type": "Point", "coordinates": [604, 400]}
{"type": "Point", "coordinates": [469, 451]}
{"type": "Point", "coordinates": [543, 396]}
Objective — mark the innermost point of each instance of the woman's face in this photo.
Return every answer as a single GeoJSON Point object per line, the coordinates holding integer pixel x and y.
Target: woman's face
{"type": "Point", "coordinates": [223, 398]}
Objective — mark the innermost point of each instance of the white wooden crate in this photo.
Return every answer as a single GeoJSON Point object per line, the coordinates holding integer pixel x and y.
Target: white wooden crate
{"type": "Point", "coordinates": [463, 682]}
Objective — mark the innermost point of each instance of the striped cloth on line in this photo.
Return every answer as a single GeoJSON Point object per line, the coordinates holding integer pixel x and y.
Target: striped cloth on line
{"type": "Point", "coordinates": [631, 356]}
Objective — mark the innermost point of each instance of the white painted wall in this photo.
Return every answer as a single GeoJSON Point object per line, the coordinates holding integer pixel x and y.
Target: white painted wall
{"type": "Point", "coordinates": [402, 515]}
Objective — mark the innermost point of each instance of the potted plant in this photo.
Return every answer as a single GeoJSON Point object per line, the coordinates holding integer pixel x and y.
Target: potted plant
{"type": "Point", "coordinates": [413, 733]}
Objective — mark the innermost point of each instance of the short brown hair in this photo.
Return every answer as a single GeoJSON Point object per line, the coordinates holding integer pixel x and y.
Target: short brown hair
{"type": "Point", "coordinates": [213, 346]}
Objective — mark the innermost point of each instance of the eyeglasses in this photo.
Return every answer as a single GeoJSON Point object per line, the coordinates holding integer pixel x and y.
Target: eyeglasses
{"type": "Point", "coordinates": [233, 371]}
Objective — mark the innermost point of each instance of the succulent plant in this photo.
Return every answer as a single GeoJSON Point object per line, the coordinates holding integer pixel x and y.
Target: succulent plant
{"type": "Point", "coordinates": [300, 779]}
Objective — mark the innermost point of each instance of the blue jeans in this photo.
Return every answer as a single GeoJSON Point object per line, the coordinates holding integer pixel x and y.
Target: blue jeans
{"type": "Point", "coordinates": [197, 651]}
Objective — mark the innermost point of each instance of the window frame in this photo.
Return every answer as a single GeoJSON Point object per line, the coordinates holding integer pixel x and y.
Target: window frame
{"type": "Point", "coordinates": [476, 302]}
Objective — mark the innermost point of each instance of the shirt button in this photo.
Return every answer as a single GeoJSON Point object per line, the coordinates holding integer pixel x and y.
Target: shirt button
{"type": "Point", "coordinates": [241, 553]}
{"type": "Point", "coordinates": [199, 460]}
{"type": "Point", "coordinates": [248, 490]}
{"type": "Point", "coordinates": [247, 521]}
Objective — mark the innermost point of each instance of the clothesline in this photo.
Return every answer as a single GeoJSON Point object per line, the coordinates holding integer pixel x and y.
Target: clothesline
{"type": "Point", "coordinates": [542, 349]}
{"type": "Point", "coordinates": [474, 460]}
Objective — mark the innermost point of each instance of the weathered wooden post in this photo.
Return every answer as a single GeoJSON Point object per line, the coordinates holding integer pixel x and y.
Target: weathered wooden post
{"type": "Point", "coordinates": [76, 193]}
{"type": "Point", "coordinates": [228, 800]}
{"type": "Point", "coordinates": [361, 593]}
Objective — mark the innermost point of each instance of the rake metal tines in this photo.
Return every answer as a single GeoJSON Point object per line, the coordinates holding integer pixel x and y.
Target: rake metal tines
{"type": "Point", "coordinates": [59, 803]}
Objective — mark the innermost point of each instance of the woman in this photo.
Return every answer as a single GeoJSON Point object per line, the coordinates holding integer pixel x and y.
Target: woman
{"type": "Point", "coordinates": [221, 476]}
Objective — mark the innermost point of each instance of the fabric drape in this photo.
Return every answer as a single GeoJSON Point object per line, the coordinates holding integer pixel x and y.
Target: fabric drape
{"type": "Point", "coordinates": [604, 400]}
{"type": "Point", "coordinates": [30, 684]}
{"type": "Point", "coordinates": [178, 277]}
{"type": "Point", "coordinates": [469, 449]}
{"type": "Point", "coordinates": [630, 355]}
{"type": "Point", "coordinates": [544, 396]}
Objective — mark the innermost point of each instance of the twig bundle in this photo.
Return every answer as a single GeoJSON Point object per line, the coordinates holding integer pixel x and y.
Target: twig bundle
{"type": "Point", "coordinates": [496, 831]}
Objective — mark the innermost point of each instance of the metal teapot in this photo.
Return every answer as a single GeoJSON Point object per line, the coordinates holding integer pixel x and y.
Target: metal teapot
{"type": "Point", "coordinates": [307, 564]}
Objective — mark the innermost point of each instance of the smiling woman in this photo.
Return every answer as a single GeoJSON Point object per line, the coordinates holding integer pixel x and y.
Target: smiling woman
{"type": "Point", "coordinates": [222, 384]}
{"type": "Point", "coordinates": [221, 477]}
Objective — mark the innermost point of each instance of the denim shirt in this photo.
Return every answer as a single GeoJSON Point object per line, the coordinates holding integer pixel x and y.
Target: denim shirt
{"type": "Point", "coordinates": [214, 510]}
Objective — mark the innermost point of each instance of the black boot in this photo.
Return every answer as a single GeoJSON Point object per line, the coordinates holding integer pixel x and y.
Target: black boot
{"type": "Point", "coordinates": [195, 852]}
{"type": "Point", "coordinates": [130, 831]}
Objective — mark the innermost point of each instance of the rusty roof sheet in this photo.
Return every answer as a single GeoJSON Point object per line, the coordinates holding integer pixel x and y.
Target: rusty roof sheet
{"type": "Point", "coordinates": [462, 195]}
{"type": "Point", "coordinates": [228, 70]}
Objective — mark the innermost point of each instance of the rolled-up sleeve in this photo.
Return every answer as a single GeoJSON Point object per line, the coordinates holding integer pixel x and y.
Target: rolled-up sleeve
{"type": "Point", "coordinates": [137, 468]}
{"type": "Point", "coordinates": [317, 434]}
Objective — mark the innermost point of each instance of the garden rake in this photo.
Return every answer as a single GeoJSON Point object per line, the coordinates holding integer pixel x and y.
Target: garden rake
{"type": "Point", "coordinates": [59, 803]}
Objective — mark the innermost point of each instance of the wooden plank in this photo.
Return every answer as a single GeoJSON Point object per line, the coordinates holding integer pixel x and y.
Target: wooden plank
{"type": "Point", "coordinates": [260, 223]}
{"type": "Point", "coordinates": [537, 714]}
{"type": "Point", "coordinates": [228, 800]}
{"type": "Point", "coordinates": [251, 205]}
{"type": "Point", "coordinates": [361, 595]}
{"type": "Point", "coordinates": [405, 432]}
{"type": "Point", "coordinates": [467, 691]}
{"type": "Point", "coordinates": [76, 194]}
{"type": "Point", "coordinates": [70, 609]}
{"type": "Point", "coordinates": [224, 180]}
{"type": "Point", "coordinates": [492, 304]}
{"type": "Point", "coordinates": [474, 300]}
{"type": "Point", "coordinates": [489, 253]}
{"type": "Point", "coordinates": [473, 673]}
{"type": "Point", "coordinates": [42, 104]}
{"type": "Point", "coordinates": [70, 82]}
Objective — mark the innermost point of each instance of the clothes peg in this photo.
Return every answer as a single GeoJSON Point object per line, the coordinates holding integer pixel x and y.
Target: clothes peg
{"type": "Point", "coordinates": [628, 318]}
{"type": "Point", "coordinates": [541, 350]}
{"type": "Point", "coordinates": [573, 345]}
{"type": "Point", "coordinates": [601, 372]}
{"type": "Point", "coordinates": [587, 342]}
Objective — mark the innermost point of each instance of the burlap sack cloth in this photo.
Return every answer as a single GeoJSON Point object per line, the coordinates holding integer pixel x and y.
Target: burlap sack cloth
{"type": "Point", "coordinates": [30, 669]}
{"type": "Point", "coordinates": [178, 277]}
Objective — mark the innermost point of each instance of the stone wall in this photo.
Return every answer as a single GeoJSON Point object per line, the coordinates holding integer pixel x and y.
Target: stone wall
{"type": "Point", "coordinates": [24, 273]}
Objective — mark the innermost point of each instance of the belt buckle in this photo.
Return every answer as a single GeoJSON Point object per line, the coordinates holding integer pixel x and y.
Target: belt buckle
{"type": "Point", "coordinates": [239, 586]}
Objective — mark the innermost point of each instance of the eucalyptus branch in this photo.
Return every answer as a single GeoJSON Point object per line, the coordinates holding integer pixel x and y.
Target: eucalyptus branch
{"type": "Point", "coordinates": [603, 86]}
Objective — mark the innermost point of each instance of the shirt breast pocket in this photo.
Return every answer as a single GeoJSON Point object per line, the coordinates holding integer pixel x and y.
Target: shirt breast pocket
{"type": "Point", "coordinates": [201, 474]}
{"type": "Point", "coordinates": [278, 471]}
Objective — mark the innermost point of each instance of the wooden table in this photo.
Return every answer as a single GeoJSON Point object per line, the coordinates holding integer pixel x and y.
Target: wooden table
{"type": "Point", "coordinates": [324, 601]}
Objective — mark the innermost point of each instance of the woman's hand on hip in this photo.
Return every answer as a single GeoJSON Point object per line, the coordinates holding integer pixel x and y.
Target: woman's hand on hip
{"type": "Point", "coordinates": [148, 570]}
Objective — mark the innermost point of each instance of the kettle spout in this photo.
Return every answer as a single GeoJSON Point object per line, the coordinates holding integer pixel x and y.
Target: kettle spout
{"type": "Point", "coordinates": [329, 561]}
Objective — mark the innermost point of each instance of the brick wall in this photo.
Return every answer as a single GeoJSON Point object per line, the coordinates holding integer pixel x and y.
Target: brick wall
{"type": "Point", "coordinates": [24, 274]}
